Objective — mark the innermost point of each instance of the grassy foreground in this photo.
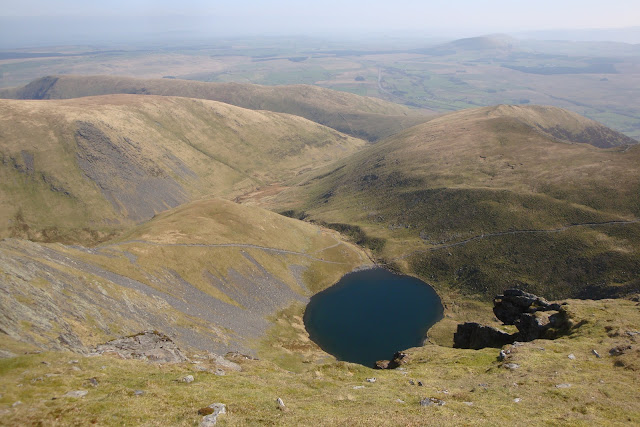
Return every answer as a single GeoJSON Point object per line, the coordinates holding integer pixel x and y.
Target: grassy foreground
{"type": "Point", "coordinates": [549, 385]}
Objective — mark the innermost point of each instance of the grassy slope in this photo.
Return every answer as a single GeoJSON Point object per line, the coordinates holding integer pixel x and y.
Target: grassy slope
{"type": "Point", "coordinates": [252, 260]}
{"type": "Point", "coordinates": [476, 389]}
{"type": "Point", "coordinates": [75, 169]}
{"type": "Point", "coordinates": [363, 117]}
{"type": "Point", "coordinates": [485, 171]}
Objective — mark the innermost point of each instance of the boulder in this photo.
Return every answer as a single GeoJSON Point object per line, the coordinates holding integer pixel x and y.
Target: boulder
{"type": "Point", "coordinates": [476, 336]}
{"type": "Point", "coordinates": [513, 303]}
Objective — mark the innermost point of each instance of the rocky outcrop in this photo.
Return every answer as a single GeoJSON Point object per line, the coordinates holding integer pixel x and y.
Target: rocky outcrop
{"type": "Point", "coordinates": [399, 359]}
{"type": "Point", "coordinates": [533, 316]}
{"type": "Point", "coordinates": [148, 345]}
{"type": "Point", "coordinates": [474, 335]}
{"type": "Point", "coordinates": [513, 303]}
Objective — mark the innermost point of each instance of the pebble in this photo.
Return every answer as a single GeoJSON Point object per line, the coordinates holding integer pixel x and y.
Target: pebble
{"type": "Point", "coordinates": [572, 356]}
{"type": "Point", "coordinates": [358, 387]}
{"type": "Point", "coordinates": [93, 381]}
{"type": "Point", "coordinates": [564, 385]}
{"type": "Point", "coordinates": [187, 379]}
{"type": "Point", "coordinates": [371, 380]}
{"type": "Point", "coordinates": [73, 362]}
{"type": "Point", "coordinates": [468, 403]}
{"type": "Point", "coordinates": [138, 392]}
{"type": "Point", "coordinates": [399, 401]}
{"type": "Point", "coordinates": [420, 384]}
{"type": "Point", "coordinates": [76, 393]}
{"type": "Point", "coordinates": [517, 400]}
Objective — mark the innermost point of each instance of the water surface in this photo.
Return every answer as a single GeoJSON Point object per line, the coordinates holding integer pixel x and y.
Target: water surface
{"type": "Point", "coordinates": [370, 314]}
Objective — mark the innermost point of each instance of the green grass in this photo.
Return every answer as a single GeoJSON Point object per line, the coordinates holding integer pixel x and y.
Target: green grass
{"type": "Point", "coordinates": [322, 392]}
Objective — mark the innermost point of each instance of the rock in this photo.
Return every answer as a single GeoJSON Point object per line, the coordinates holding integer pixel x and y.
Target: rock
{"type": "Point", "coordinates": [381, 364]}
{"type": "Point", "coordinates": [468, 403]}
{"type": "Point", "coordinates": [93, 382]}
{"type": "Point", "coordinates": [281, 405]}
{"type": "Point", "coordinates": [234, 355]}
{"type": "Point", "coordinates": [219, 372]}
{"type": "Point", "coordinates": [420, 384]}
{"type": "Point", "coordinates": [147, 345]}
{"type": "Point", "coordinates": [371, 380]}
{"type": "Point", "coordinates": [399, 401]}
{"type": "Point", "coordinates": [73, 362]}
{"type": "Point", "coordinates": [138, 392]}
{"type": "Point", "coordinates": [476, 336]}
{"type": "Point", "coordinates": [511, 366]}
{"type": "Point", "coordinates": [432, 401]}
{"type": "Point", "coordinates": [564, 385]}
{"type": "Point", "coordinates": [411, 382]}
{"type": "Point", "coordinates": [200, 368]}
{"type": "Point", "coordinates": [502, 355]}
{"type": "Point", "coordinates": [211, 414]}
{"type": "Point", "coordinates": [619, 350]}
{"type": "Point", "coordinates": [358, 387]}
{"type": "Point", "coordinates": [187, 379]}
{"type": "Point", "coordinates": [517, 400]}
{"type": "Point", "coordinates": [75, 368]}
{"type": "Point", "coordinates": [399, 359]}
{"type": "Point", "coordinates": [595, 353]}
{"type": "Point", "coordinates": [509, 306]}
{"type": "Point", "coordinates": [17, 403]}
{"type": "Point", "coordinates": [76, 393]}
{"type": "Point", "coordinates": [572, 356]}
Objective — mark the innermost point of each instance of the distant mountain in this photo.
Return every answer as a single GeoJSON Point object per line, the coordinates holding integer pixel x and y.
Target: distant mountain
{"type": "Point", "coordinates": [493, 42]}
{"type": "Point", "coordinates": [485, 198]}
{"type": "Point", "coordinates": [80, 169]}
{"type": "Point", "coordinates": [363, 117]}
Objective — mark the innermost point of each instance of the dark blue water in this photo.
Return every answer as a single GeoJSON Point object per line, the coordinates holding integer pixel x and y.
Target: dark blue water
{"type": "Point", "coordinates": [369, 315]}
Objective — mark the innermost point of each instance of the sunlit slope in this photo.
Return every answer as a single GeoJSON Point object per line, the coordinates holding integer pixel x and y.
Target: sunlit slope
{"type": "Point", "coordinates": [497, 186]}
{"type": "Point", "coordinates": [208, 273]}
{"type": "Point", "coordinates": [363, 117]}
{"type": "Point", "coordinates": [96, 163]}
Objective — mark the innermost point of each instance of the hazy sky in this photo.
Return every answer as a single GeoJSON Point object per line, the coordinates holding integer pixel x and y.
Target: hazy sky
{"type": "Point", "coordinates": [298, 16]}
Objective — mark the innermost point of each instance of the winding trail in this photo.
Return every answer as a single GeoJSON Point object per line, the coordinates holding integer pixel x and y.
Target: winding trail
{"type": "Point", "coordinates": [234, 245]}
{"type": "Point", "coordinates": [506, 233]}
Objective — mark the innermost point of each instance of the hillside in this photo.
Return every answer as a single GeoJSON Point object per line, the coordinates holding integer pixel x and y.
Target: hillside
{"type": "Point", "coordinates": [486, 198]}
{"type": "Point", "coordinates": [493, 43]}
{"type": "Point", "coordinates": [207, 273]}
{"type": "Point", "coordinates": [363, 117]}
{"type": "Point", "coordinates": [82, 169]}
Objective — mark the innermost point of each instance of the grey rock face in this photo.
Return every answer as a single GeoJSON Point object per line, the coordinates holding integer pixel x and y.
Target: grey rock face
{"type": "Point", "coordinates": [148, 345]}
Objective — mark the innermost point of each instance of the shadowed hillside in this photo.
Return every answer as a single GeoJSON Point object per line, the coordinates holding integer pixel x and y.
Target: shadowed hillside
{"type": "Point", "coordinates": [486, 198]}
{"type": "Point", "coordinates": [363, 117]}
{"type": "Point", "coordinates": [80, 169]}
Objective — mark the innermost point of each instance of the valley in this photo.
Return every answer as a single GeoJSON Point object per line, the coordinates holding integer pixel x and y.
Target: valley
{"type": "Point", "coordinates": [207, 211]}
